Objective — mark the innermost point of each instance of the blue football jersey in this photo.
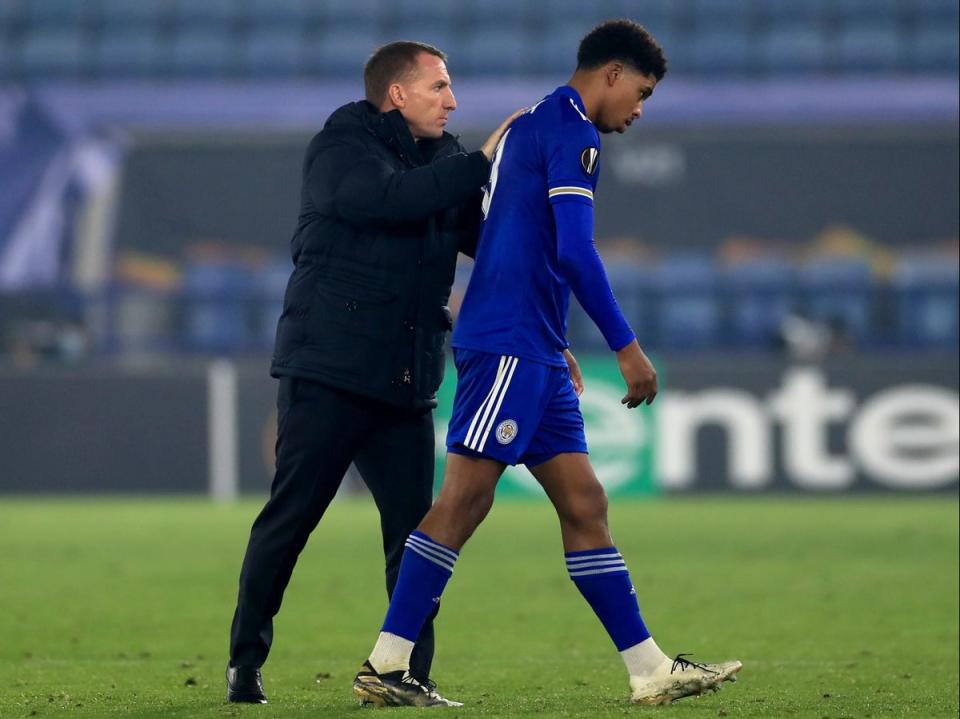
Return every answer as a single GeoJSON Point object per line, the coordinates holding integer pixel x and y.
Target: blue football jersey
{"type": "Point", "coordinates": [517, 300]}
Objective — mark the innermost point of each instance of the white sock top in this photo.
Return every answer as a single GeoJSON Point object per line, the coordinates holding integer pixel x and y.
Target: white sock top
{"type": "Point", "coordinates": [391, 653]}
{"type": "Point", "coordinates": [643, 659]}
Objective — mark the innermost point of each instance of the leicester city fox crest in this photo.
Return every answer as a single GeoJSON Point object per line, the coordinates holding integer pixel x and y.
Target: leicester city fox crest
{"type": "Point", "coordinates": [588, 159]}
{"type": "Point", "coordinates": [506, 431]}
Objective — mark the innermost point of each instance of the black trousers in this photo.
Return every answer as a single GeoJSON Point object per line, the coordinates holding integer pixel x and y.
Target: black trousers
{"type": "Point", "coordinates": [320, 431]}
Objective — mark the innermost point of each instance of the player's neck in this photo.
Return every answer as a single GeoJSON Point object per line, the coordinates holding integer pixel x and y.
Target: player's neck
{"type": "Point", "coordinates": [584, 83]}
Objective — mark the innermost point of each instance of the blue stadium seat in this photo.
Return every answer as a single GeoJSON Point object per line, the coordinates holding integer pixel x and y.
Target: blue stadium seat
{"type": "Point", "coordinates": [719, 13]}
{"type": "Point", "coordinates": [783, 12]}
{"type": "Point", "coordinates": [943, 11]}
{"type": "Point", "coordinates": [437, 33]}
{"type": "Point", "coordinates": [11, 11]}
{"type": "Point", "coordinates": [554, 52]}
{"type": "Point", "coordinates": [430, 11]}
{"type": "Point", "coordinates": [339, 53]}
{"type": "Point", "coordinates": [220, 13]}
{"type": "Point", "coordinates": [55, 52]}
{"type": "Point", "coordinates": [126, 13]}
{"type": "Point", "coordinates": [57, 13]}
{"type": "Point", "coordinates": [934, 49]}
{"type": "Point", "coordinates": [7, 62]}
{"type": "Point", "coordinates": [365, 16]}
{"type": "Point", "coordinates": [215, 297]}
{"type": "Point", "coordinates": [586, 14]}
{"type": "Point", "coordinates": [728, 50]}
{"type": "Point", "coordinates": [652, 14]}
{"type": "Point", "coordinates": [202, 52]}
{"type": "Point", "coordinates": [853, 12]}
{"type": "Point", "coordinates": [927, 302]}
{"type": "Point", "coordinates": [868, 49]}
{"type": "Point", "coordinates": [688, 312]}
{"type": "Point", "coordinates": [792, 49]}
{"type": "Point", "coordinates": [269, 284]}
{"type": "Point", "coordinates": [839, 291]}
{"type": "Point", "coordinates": [274, 51]}
{"type": "Point", "coordinates": [127, 53]}
{"type": "Point", "coordinates": [496, 51]}
{"type": "Point", "coordinates": [278, 15]}
{"type": "Point", "coordinates": [759, 295]}
{"type": "Point", "coordinates": [508, 13]}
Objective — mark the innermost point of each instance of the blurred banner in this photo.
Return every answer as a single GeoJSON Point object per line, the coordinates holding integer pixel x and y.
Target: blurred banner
{"type": "Point", "coordinates": [677, 189]}
{"type": "Point", "coordinates": [858, 423]}
{"type": "Point", "coordinates": [51, 178]}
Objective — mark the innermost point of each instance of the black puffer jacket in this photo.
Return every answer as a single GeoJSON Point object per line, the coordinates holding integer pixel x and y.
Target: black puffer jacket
{"type": "Point", "coordinates": [381, 220]}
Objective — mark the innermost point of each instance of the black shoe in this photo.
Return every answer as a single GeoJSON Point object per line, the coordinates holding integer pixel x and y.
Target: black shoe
{"type": "Point", "coordinates": [245, 685]}
{"type": "Point", "coordinates": [396, 689]}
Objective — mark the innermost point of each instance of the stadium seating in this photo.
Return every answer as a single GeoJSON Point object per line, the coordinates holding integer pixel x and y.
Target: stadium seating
{"type": "Point", "coordinates": [869, 49]}
{"type": "Point", "coordinates": [934, 49]}
{"type": "Point", "coordinates": [797, 49]}
{"type": "Point", "coordinates": [760, 294]}
{"type": "Point", "coordinates": [215, 311]}
{"type": "Point", "coordinates": [143, 14]}
{"type": "Point", "coordinates": [687, 306]}
{"type": "Point", "coordinates": [702, 37]}
{"type": "Point", "coordinates": [60, 52]}
{"type": "Point", "coordinates": [927, 311]}
{"type": "Point", "coordinates": [127, 53]}
{"type": "Point", "coordinates": [838, 291]}
{"type": "Point", "coordinates": [202, 52]}
{"type": "Point", "coordinates": [273, 51]}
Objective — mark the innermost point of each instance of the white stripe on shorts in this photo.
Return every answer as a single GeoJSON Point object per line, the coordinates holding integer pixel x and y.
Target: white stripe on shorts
{"type": "Point", "coordinates": [503, 393]}
{"type": "Point", "coordinates": [493, 390]}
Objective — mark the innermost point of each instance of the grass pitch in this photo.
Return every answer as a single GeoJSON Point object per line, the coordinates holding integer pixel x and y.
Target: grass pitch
{"type": "Point", "coordinates": [837, 607]}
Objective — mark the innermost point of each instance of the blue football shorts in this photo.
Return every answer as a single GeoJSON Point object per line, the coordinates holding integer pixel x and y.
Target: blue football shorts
{"type": "Point", "coordinates": [513, 410]}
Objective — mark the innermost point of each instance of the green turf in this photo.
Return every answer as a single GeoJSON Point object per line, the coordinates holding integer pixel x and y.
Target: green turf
{"type": "Point", "coordinates": [837, 608]}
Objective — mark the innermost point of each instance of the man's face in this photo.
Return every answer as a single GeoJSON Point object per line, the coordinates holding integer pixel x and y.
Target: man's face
{"type": "Point", "coordinates": [427, 97]}
{"type": "Point", "coordinates": [626, 91]}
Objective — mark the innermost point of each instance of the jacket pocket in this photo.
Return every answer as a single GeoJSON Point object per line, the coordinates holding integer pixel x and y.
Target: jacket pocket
{"type": "Point", "coordinates": [430, 356]}
{"type": "Point", "coordinates": [360, 309]}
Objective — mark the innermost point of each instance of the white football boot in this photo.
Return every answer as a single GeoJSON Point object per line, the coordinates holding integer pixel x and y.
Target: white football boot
{"type": "Point", "coordinates": [681, 678]}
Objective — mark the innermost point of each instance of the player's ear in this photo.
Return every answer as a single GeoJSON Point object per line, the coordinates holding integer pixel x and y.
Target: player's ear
{"type": "Point", "coordinates": [614, 72]}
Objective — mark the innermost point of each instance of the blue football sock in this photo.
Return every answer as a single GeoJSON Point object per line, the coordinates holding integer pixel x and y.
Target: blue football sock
{"type": "Point", "coordinates": [424, 570]}
{"type": "Point", "coordinates": [602, 578]}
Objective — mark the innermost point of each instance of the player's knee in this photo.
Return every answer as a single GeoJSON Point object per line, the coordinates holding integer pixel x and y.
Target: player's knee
{"type": "Point", "coordinates": [588, 509]}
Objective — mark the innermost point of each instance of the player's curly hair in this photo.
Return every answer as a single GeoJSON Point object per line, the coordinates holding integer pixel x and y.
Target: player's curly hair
{"type": "Point", "coordinates": [623, 40]}
{"type": "Point", "coordinates": [393, 62]}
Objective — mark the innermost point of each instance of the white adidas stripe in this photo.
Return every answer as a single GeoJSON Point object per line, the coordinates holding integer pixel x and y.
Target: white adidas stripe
{"type": "Point", "coordinates": [493, 390]}
{"type": "Point", "coordinates": [593, 557]}
{"type": "Point", "coordinates": [431, 557]}
{"type": "Point", "coordinates": [599, 563]}
{"type": "Point", "coordinates": [434, 546]}
{"type": "Point", "coordinates": [588, 572]}
{"type": "Point", "coordinates": [503, 393]}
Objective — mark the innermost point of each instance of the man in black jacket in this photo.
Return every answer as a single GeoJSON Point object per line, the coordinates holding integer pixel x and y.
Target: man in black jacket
{"type": "Point", "coordinates": [388, 199]}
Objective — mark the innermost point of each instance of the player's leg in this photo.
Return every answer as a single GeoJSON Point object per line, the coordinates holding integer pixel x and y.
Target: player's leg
{"type": "Point", "coordinates": [598, 569]}
{"type": "Point", "coordinates": [386, 677]}
{"type": "Point", "coordinates": [397, 465]}
{"type": "Point", "coordinates": [319, 430]}
{"type": "Point", "coordinates": [466, 496]}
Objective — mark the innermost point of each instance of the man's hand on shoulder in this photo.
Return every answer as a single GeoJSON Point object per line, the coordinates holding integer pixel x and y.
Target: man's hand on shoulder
{"type": "Point", "coordinates": [639, 374]}
{"type": "Point", "coordinates": [490, 146]}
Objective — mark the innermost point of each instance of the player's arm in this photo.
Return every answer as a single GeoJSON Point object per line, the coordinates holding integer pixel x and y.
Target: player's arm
{"type": "Point", "coordinates": [581, 266]}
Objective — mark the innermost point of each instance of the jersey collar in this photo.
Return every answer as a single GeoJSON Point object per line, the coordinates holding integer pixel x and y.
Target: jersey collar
{"type": "Point", "coordinates": [567, 91]}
